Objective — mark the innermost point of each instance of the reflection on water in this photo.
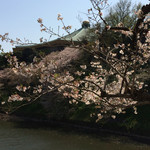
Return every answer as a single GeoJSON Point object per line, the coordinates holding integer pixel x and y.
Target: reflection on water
{"type": "Point", "coordinates": [14, 137]}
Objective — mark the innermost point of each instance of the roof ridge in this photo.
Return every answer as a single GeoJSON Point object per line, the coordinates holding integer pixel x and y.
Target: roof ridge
{"type": "Point", "coordinates": [70, 35]}
{"type": "Point", "coordinates": [83, 29]}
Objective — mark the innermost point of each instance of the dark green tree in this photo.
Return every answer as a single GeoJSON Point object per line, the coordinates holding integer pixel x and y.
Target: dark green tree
{"type": "Point", "coordinates": [123, 12]}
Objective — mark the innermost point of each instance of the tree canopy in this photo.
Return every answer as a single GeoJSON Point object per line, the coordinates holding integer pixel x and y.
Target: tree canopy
{"type": "Point", "coordinates": [124, 12]}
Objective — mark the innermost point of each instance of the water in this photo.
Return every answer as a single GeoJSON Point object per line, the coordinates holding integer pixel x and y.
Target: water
{"type": "Point", "coordinates": [20, 137]}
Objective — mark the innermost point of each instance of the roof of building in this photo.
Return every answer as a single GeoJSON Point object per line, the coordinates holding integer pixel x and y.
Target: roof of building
{"type": "Point", "coordinates": [76, 36]}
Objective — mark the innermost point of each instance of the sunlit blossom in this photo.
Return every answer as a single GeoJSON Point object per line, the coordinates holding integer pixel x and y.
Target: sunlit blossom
{"type": "Point", "coordinates": [40, 20]}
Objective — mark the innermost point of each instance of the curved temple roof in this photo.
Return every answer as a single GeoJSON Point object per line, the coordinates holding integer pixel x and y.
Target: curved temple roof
{"type": "Point", "coordinates": [76, 37]}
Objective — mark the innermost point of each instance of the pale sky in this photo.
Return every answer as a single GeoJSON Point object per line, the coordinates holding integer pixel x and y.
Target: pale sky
{"type": "Point", "coordinates": [19, 17]}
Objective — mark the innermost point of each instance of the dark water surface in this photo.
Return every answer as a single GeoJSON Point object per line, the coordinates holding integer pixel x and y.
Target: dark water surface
{"type": "Point", "coordinates": [19, 137]}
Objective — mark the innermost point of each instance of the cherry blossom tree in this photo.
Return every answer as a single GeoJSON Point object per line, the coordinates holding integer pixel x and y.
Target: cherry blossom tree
{"type": "Point", "coordinates": [111, 81]}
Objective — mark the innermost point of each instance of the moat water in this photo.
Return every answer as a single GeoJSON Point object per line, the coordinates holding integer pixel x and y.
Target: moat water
{"type": "Point", "coordinates": [14, 136]}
